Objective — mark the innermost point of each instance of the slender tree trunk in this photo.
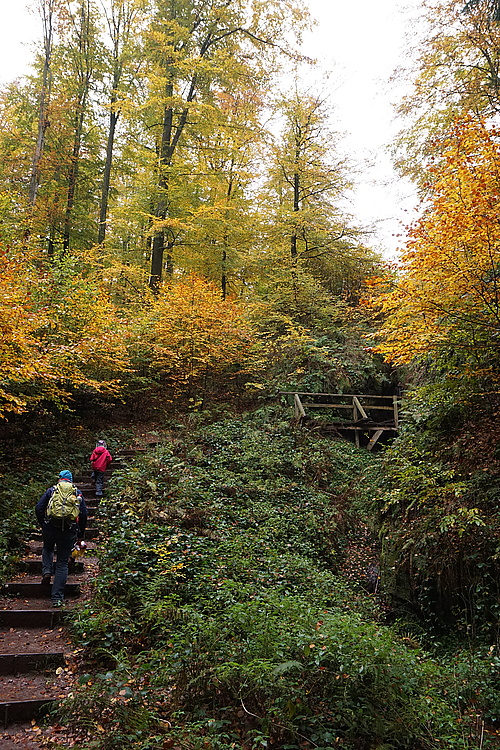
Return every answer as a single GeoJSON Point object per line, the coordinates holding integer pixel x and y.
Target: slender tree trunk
{"type": "Point", "coordinates": [106, 178]}
{"type": "Point", "coordinates": [84, 72]}
{"type": "Point", "coordinates": [47, 12]}
{"type": "Point", "coordinates": [165, 159]}
{"type": "Point", "coordinates": [224, 270]}
{"type": "Point", "coordinates": [293, 240]}
{"type": "Point", "coordinates": [229, 195]}
{"type": "Point", "coordinates": [73, 177]}
{"type": "Point", "coordinates": [43, 123]}
{"type": "Point", "coordinates": [169, 140]}
{"type": "Point", "coordinates": [296, 209]}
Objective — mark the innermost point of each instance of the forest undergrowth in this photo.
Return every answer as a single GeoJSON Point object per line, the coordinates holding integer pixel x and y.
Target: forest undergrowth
{"type": "Point", "coordinates": [235, 605]}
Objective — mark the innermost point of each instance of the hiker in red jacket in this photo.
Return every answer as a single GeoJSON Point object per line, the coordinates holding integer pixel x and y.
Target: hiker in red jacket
{"type": "Point", "coordinates": [100, 460]}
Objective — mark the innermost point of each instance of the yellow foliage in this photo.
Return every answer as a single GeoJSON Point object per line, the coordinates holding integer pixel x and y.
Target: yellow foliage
{"type": "Point", "coordinates": [197, 332]}
{"type": "Point", "coordinates": [58, 333]}
{"type": "Point", "coordinates": [20, 356]}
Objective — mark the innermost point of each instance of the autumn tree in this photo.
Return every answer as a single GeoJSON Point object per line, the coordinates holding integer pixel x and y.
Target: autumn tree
{"type": "Point", "coordinates": [82, 51]}
{"type": "Point", "coordinates": [20, 360]}
{"type": "Point", "coordinates": [456, 71]}
{"type": "Point", "coordinates": [308, 181]}
{"type": "Point", "coordinates": [60, 334]}
{"type": "Point", "coordinates": [47, 10]}
{"type": "Point", "coordinates": [222, 233]}
{"type": "Point", "coordinates": [197, 334]}
{"type": "Point", "coordinates": [446, 300]}
{"type": "Point", "coordinates": [123, 20]}
{"type": "Point", "coordinates": [192, 45]}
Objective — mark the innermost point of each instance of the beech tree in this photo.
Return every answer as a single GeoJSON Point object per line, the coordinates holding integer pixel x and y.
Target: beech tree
{"type": "Point", "coordinates": [82, 52]}
{"type": "Point", "coordinates": [192, 45]}
{"type": "Point", "coordinates": [223, 229]}
{"type": "Point", "coordinates": [197, 334]}
{"type": "Point", "coordinates": [47, 11]}
{"type": "Point", "coordinates": [60, 334]}
{"type": "Point", "coordinates": [457, 71]}
{"type": "Point", "coordinates": [123, 20]}
{"type": "Point", "coordinates": [446, 299]}
{"type": "Point", "coordinates": [307, 182]}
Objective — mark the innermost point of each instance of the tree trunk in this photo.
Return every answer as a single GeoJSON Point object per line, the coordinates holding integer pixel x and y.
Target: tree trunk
{"type": "Point", "coordinates": [293, 241]}
{"type": "Point", "coordinates": [165, 159]}
{"type": "Point", "coordinates": [47, 11]}
{"type": "Point", "coordinates": [84, 73]}
{"type": "Point", "coordinates": [73, 177]}
{"type": "Point", "coordinates": [106, 178]}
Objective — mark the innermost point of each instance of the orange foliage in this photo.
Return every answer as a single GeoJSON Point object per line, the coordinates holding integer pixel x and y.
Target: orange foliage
{"type": "Point", "coordinates": [448, 292]}
{"type": "Point", "coordinates": [58, 335]}
{"type": "Point", "coordinates": [20, 356]}
{"type": "Point", "coordinates": [197, 332]}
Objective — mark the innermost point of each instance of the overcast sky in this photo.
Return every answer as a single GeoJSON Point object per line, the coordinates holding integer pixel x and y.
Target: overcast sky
{"type": "Point", "coordinates": [359, 43]}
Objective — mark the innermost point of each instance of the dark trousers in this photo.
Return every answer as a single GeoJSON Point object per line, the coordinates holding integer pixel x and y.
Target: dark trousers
{"type": "Point", "coordinates": [63, 540]}
{"type": "Point", "coordinates": [98, 477]}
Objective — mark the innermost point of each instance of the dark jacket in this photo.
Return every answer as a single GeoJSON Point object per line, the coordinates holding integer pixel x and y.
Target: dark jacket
{"type": "Point", "coordinates": [41, 509]}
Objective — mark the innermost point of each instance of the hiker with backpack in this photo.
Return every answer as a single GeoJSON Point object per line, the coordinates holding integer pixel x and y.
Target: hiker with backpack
{"type": "Point", "coordinates": [100, 460]}
{"type": "Point", "coordinates": [62, 515]}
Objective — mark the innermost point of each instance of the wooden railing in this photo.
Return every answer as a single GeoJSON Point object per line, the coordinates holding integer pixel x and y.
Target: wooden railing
{"type": "Point", "coordinates": [365, 412]}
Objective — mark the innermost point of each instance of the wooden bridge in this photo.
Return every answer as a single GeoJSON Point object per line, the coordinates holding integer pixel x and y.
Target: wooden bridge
{"type": "Point", "coordinates": [350, 414]}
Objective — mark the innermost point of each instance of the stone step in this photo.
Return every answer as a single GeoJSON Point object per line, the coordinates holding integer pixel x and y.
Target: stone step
{"type": "Point", "coordinates": [33, 547]}
{"type": "Point", "coordinates": [35, 590]}
{"type": "Point", "coordinates": [34, 567]}
{"type": "Point", "coordinates": [92, 507]}
{"type": "Point", "coordinates": [22, 663]}
{"type": "Point", "coordinates": [14, 712]}
{"type": "Point", "coordinates": [90, 533]}
{"type": "Point", "coordinates": [87, 488]}
{"type": "Point", "coordinates": [92, 502]}
{"type": "Point", "coordinates": [85, 478]}
{"type": "Point", "coordinates": [30, 618]}
{"type": "Point", "coordinates": [89, 495]}
{"type": "Point", "coordinates": [113, 466]}
{"type": "Point", "coordinates": [131, 452]}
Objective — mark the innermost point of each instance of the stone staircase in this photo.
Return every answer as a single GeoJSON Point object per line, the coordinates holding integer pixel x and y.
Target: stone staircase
{"type": "Point", "coordinates": [35, 650]}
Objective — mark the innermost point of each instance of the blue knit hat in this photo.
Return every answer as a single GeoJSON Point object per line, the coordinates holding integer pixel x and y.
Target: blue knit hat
{"type": "Point", "coordinates": [66, 475]}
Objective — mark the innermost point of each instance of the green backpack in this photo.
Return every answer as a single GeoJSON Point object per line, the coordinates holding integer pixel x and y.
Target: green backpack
{"type": "Point", "coordinates": [64, 503]}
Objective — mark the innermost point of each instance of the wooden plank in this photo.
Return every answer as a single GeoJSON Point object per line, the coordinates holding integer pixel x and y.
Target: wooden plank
{"type": "Point", "coordinates": [396, 413]}
{"type": "Point", "coordinates": [368, 407]}
{"type": "Point", "coordinates": [30, 618]}
{"type": "Point", "coordinates": [355, 419]}
{"type": "Point", "coordinates": [374, 439]}
{"type": "Point", "coordinates": [334, 395]}
{"type": "Point", "coordinates": [376, 407]}
{"type": "Point", "coordinates": [22, 663]}
{"type": "Point", "coordinates": [346, 426]}
{"type": "Point", "coordinates": [13, 712]}
{"type": "Point", "coordinates": [332, 406]}
{"type": "Point", "coordinates": [299, 409]}
{"type": "Point", "coordinates": [358, 406]}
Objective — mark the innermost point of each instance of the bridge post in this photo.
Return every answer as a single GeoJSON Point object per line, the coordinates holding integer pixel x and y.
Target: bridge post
{"type": "Point", "coordinates": [355, 419]}
{"type": "Point", "coordinates": [396, 413]}
{"type": "Point", "coordinates": [298, 408]}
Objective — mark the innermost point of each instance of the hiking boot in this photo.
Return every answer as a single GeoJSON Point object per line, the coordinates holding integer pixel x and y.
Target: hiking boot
{"type": "Point", "coordinates": [46, 579]}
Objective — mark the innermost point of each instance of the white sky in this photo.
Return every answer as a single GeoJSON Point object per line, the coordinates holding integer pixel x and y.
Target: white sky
{"type": "Point", "coordinates": [360, 43]}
